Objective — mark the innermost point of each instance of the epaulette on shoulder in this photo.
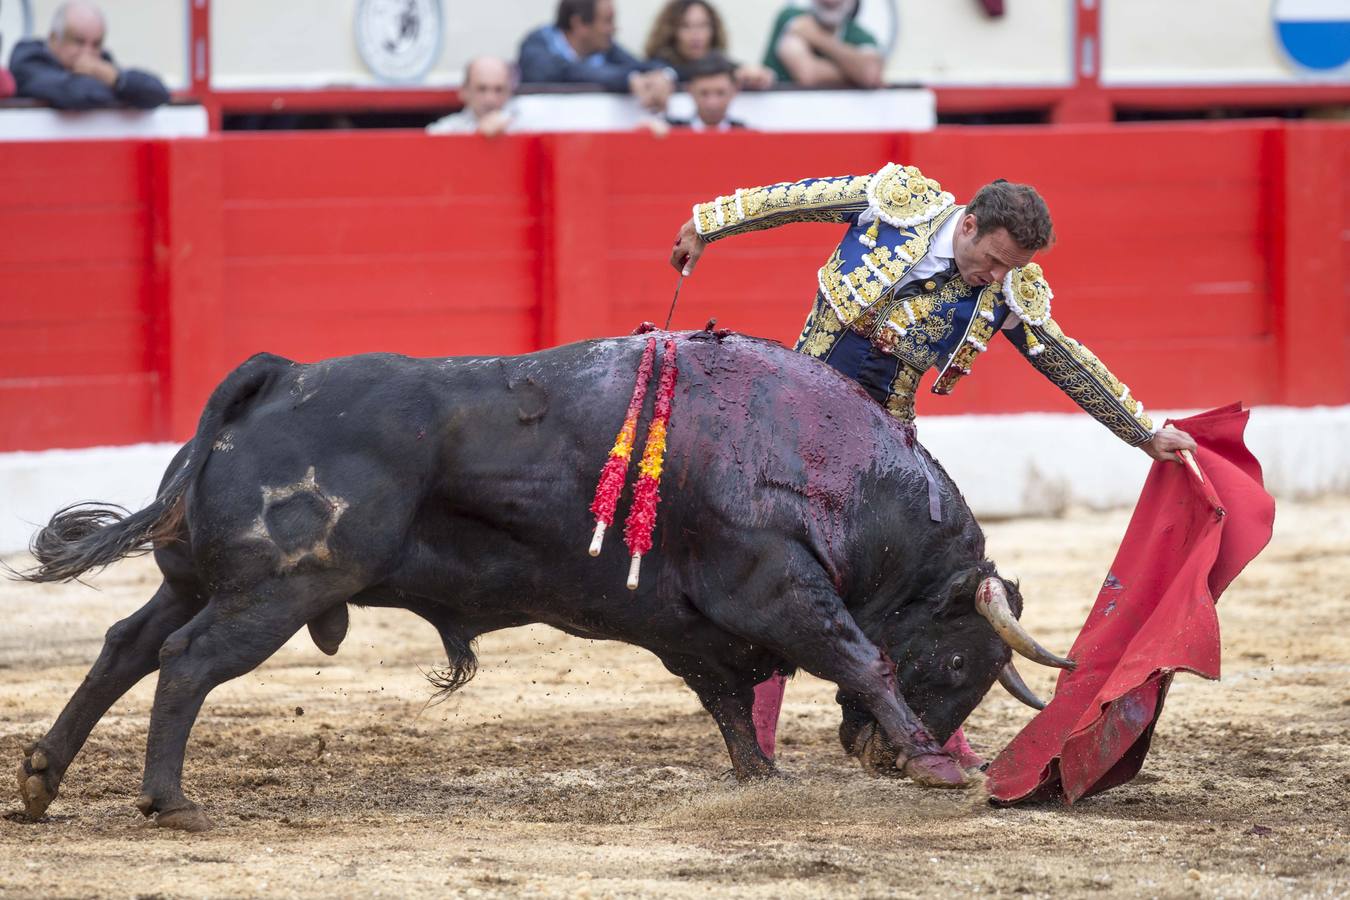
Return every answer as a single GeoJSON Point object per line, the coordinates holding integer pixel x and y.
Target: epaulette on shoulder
{"type": "Point", "coordinates": [1028, 294]}
{"type": "Point", "coordinates": [901, 196]}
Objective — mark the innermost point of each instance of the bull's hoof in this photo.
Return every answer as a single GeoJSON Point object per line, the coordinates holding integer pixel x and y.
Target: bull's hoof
{"type": "Point", "coordinates": [874, 752]}
{"type": "Point", "coordinates": [757, 773]}
{"type": "Point", "coordinates": [37, 787]}
{"type": "Point", "coordinates": [188, 818]}
{"type": "Point", "coordinates": [935, 770]}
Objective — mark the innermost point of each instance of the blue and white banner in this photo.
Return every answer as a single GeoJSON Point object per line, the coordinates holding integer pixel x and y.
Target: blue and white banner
{"type": "Point", "coordinates": [1314, 33]}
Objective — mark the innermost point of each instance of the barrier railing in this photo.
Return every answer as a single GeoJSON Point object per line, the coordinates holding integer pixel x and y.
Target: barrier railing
{"type": "Point", "coordinates": [1204, 263]}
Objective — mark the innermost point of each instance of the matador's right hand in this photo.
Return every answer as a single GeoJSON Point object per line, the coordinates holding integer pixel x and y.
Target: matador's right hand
{"type": "Point", "coordinates": [688, 248]}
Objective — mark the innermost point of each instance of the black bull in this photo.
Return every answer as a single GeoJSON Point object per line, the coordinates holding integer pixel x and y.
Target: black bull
{"type": "Point", "coordinates": [793, 532]}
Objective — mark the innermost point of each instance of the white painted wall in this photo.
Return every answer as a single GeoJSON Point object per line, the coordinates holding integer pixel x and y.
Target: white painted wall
{"type": "Point", "coordinates": [1041, 464]}
{"type": "Point", "coordinates": [310, 43]}
{"type": "Point", "coordinates": [1196, 42]}
{"type": "Point", "coordinates": [43, 124]}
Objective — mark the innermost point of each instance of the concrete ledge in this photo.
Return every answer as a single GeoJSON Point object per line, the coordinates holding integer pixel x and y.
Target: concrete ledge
{"type": "Point", "coordinates": [35, 485]}
{"type": "Point", "coordinates": [1043, 463]}
{"type": "Point", "coordinates": [43, 124]}
{"type": "Point", "coordinates": [1007, 465]}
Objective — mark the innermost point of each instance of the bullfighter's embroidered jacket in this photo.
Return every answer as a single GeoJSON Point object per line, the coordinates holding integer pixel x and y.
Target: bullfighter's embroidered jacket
{"type": "Point", "coordinates": [893, 216]}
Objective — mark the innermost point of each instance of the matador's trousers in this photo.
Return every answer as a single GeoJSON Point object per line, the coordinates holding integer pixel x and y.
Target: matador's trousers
{"type": "Point", "coordinates": [886, 379]}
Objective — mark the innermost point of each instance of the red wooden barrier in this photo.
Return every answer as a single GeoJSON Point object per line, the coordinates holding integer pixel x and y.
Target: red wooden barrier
{"type": "Point", "coordinates": [76, 349]}
{"type": "Point", "coordinates": [1204, 262]}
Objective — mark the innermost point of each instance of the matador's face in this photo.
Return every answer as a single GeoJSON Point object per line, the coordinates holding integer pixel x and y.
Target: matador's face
{"type": "Point", "coordinates": [985, 259]}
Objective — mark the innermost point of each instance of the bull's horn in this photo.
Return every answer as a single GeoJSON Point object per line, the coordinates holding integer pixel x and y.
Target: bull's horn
{"type": "Point", "coordinates": [1012, 681]}
{"type": "Point", "coordinates": [992, 602]}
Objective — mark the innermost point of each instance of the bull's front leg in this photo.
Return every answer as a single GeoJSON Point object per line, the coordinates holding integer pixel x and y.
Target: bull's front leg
{"type": "Point", "coordinates": [811, 628]}
{"type": "Point", "coordinates": [866, 678]}
{"type": "Point", "coordinates": [863, 740]}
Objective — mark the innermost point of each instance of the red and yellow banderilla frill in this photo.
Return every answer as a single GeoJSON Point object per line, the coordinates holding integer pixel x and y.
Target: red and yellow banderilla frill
{"type": "Point", "coordinates": [615, 470]}
{"type": "Point", "coordinates": [646, 493]}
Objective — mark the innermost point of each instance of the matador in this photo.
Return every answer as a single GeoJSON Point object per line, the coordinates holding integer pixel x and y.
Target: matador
{"type": "Point", "coordinates": [919, 282]}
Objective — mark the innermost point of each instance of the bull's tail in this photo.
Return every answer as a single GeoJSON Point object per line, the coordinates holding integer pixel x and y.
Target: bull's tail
{"type": "Point", "coordinates": [89, 535]}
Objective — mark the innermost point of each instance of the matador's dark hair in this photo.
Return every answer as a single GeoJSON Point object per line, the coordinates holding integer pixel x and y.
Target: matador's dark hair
{"type": "Point", "coordinates": [1016, 207]}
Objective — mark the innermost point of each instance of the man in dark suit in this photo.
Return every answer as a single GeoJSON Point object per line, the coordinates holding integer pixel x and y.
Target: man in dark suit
{"type": "Point", "coordinates": [71, 70]}
{"type": "Point", "coordinates": [579, 48]}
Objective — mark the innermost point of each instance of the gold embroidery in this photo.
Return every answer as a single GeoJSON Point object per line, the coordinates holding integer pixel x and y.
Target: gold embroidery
{"type": "Point", "coordinates": [901, 196]}
{"type": "Point", "coordinates": [1028, 294]}
{"type": "Point", "coordinates": [1076, 371]}
{"type": "Point", "coordinates": [914, 341]}
{"type": "Point", "coordinates": [900, 400]}
{"type": "Point", "coordinates": [867, 286]}
{"type": "Point", "coordinates": [820, 332]}
{"type": "Point", "coordinates": [974, 342]}
{"type": "Point", "coordinates": [810, 200]}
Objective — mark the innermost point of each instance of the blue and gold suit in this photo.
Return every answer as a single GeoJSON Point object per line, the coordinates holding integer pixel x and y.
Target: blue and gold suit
{"type": "Point", "coordinates": [884, 336]}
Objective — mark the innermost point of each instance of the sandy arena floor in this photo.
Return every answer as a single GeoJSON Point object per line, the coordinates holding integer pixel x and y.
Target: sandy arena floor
{"type": "Point", "coordinates": [574, 768]}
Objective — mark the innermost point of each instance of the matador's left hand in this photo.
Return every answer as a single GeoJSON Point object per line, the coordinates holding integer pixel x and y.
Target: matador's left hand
{"type": "Point", "coordinates": [1165, 444]}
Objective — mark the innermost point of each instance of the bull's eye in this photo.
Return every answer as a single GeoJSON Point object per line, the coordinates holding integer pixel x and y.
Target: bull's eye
{"type": "Point", "coordinates": [957, 661]}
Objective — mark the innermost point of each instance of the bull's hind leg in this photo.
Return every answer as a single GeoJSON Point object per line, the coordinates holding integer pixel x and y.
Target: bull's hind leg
{"type": "Point", "coordinates": [231, 636]}
{"type": "Point", "coordinates": [130, 652]}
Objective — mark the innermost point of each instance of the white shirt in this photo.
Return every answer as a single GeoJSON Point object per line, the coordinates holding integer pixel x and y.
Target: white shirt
{"type": "Point", "coordinates": [697, 124]}
{"type": "Point", "coordinates": [465, 122]}
{"type": "Point", "coordinates": [941, 251]}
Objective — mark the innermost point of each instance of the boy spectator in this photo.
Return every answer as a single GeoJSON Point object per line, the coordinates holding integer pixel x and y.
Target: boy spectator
{"type": "Point", "coordinates": [579, 48]}
{"type": "Point", "coordinates": [485, 92]}
{"type": "Point", "coordinates": [71, 70]}
{"type": "Point", "coordinates": [712, 85]}
{"type": "Point", "coordinates": [823, 47]}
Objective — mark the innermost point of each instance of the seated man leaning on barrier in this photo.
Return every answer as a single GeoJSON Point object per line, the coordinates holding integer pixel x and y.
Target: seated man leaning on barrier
{"type": "Point", "coordinates": [920, 282]}
{"type": "Point", "coordinates": [486, 93]}
{"type": "Point", "coordinates": [579, 48]}
{"type": "Point", "coordinates": [71, 70]}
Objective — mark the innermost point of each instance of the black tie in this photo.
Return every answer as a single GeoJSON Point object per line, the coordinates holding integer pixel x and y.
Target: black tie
{"type": "Point", "coordinates": [922, 285]}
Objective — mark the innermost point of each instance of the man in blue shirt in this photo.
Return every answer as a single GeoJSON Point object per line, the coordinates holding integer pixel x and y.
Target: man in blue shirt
{"type": "Point", "coordinates": [579, 48]}
{"type": "Point", "coordinates": [71, 70]}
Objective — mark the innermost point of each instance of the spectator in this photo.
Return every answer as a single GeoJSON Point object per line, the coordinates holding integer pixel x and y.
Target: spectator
{"type": "Point", "coordinates": [579, 48]}
{"type": "Point", "coordinates": [824, 47]}
{"type": "Point", "coordinates": [71, 70]}
{"type": "Point", "coordinates": [686, 32]}
{"type": "Point", "coordinates": [712, 85]}
{"type": "Point", "coordinates": [486, 92]}
{"type": "Point", "coordinates": [6, 79]}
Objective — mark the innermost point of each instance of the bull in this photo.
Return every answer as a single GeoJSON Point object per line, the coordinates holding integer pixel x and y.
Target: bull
{"type": "Point", "coordinates": [794, 533]}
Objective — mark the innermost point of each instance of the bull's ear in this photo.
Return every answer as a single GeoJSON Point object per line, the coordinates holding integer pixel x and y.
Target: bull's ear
{"type": "Point", "coordinates": [958, 596]}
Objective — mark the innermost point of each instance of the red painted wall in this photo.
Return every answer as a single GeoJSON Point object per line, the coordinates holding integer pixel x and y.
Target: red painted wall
{"type": "Point", "coordinates": [1204, 262]}
{"type": "Point", "coordinates": [76, 330]}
